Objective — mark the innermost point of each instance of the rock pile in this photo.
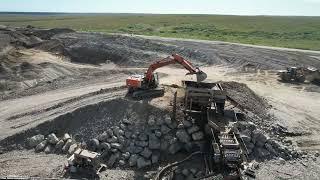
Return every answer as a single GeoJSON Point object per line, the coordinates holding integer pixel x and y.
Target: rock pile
{"type": "Point", "coordinates": [144, 148]}
{"type": "Point", "coordinates": [123, 146]}
{"type": "Point", "coordinates": [260, 146]}
{"type": "Point", "coordinates": [127, 143]}
{"type": "Point", "coordinates": [52, 144]}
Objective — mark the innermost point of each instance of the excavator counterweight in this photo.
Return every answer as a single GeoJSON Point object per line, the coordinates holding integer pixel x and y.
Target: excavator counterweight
{"type": "Point", "coordinates": [142, 86]}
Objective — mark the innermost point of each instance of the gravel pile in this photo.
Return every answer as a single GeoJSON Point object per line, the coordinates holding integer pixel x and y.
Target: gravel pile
{"type": "Point", "coordinates": [248, 99]}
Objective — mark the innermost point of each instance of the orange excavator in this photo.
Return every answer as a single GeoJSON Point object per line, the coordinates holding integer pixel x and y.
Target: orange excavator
{"type": "Point", "coordinates": [147, 85]}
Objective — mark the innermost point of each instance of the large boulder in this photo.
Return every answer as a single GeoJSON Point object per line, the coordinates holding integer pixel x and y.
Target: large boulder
{"type": "Point", "coordinates": [125, 155]}
{"type": "Point", "coordinates": [151, 121]}
{"type": "Point", "coordinates": [193, 129]}
{"type": "Point", "coordinates": [72, 148]}
{"type": "Point", "coordinates": [134, 149]}
{"type": "Point", "coordinates": [110, 132]}
{"type": "Point", "coordinates": [154, 142]}
{"type": "Point", "coordinates": [143, 137]}
{"type": "Point", "coordinates": [198, 136]}
{"type": "Point", "coordinates": [52, 139]}
{"type": "Point", "coordinates": [49, 149]}
{"type": "Point", "coordinates": [245, 138]}
{"type": "Point", "coordinates": [103, 137]}
{"type": "Point", "coordinates": [66, 137]}
{"type": "Point", "coordinates": [259, 138]}
{"type": "Point", "coordinates": [146, 153]}
{"type": "Point", "coordinates": [165, 129]}
{"type": "Point", "coordinates": [167, 119]}
{"type": "Point", "coordinates": [142, 162]}
{"type": "Point", "coordinates": [59, 145]}
{"type": "Point", "coordinates": [175, 147]}
{"type": "Point", "coordinates": [113, 158]}
{"type": "Point", "coordinates": [93, 144]}
{"type": "Point", "coordinates": [113, 139]}
{"type": "Point", "coordinates": [40, 147]}
{"type": "Point", "coordinates": [164, 145]}
{"type": "Point", "coordinates": [187, 124]}
{"type": "Point", "coordinates": [155, 157]}
{"type": "Point", "coordinates": [104, 146]}
{"type": "Point", "coordinates": [270, 149]}
{"type": "Point", "coordinates": [261, 152]}
{"type": "Point", "coordinates": [133, 160]}
{"type": "Point", "coordinates": [35, 140]}
{"type": "Point", "coordinates": [159, 121]}
{"type": "Point", "coordinates": [141, 143]}
{"type": "Point", "coordinates": [67, 145]}
{"type": "Point", "coordinates": [127, 134]}
{"type": "Point", "coordinates": [122, 140]}
{"type": "Point", "coordinates": [116, 146]}
{"type": "Point", "coordinates": [118, 132]}
{"type": "Point", "coordinates": [183, 136]}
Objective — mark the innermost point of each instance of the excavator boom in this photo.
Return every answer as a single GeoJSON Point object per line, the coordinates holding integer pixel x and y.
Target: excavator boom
{"type": "Point", "coordinates": [175, 58]}
{"type": "Point", "coordinates": [147, 85]}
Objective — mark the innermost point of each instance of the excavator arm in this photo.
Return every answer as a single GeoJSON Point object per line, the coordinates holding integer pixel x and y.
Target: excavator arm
{"type": "Point", "coordinates": [175, 58]}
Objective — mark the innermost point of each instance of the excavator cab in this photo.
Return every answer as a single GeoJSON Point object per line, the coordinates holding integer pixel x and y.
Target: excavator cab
{"type": "Point", "coordinates": [139, 87]}
{"type": "Point", "coordinates": [154, 82]}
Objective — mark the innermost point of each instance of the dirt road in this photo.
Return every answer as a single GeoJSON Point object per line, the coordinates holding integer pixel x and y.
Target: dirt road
{"type": "Point", "coordinates": [26, 112]}
{"type": "Point", "coordinates": [220, 42]}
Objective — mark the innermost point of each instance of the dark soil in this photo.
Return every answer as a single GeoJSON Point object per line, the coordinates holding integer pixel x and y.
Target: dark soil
{"type": "Point", "coordinates": [246, 98]}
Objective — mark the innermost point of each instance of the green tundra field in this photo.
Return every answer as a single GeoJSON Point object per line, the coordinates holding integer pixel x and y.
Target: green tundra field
{"type": "Point", "coordinates": [291, 32]}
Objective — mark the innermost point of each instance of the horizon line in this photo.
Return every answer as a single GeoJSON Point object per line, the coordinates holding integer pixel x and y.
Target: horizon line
{"type": "Point", "coordinates": [57, 12]}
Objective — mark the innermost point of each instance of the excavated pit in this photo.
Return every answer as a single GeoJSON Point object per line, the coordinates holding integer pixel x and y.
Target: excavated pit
{"type": "Point", "coordinates": [90, 121]}
{"type": "Point", "coordinates": [154, 137]}
{"type": "Point", "coordinates": [141, 119]}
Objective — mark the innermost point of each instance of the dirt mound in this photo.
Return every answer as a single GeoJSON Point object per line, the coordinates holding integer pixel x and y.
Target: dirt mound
{"type": "Point", "coordinates": [95, 48]}
{"type": "Point", "coordinates": [46, 34]}
{"type": "Point", "coordinates": [19, 39]}
{"type": "Point", "coordinates": [98, 48]}
{"type": "Point", "coordinates": [246, 98]}
{"type": "Point", "coordinates": [54, 46]}
{"type": "Point", "coordinates": [28, 37]}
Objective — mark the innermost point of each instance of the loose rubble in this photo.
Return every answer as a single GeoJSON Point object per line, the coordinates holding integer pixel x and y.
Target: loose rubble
{"type": "Point", "coordinates": [260, 146]}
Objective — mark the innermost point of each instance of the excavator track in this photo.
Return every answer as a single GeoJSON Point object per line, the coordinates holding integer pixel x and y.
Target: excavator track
{"type": "Point", "coordinates": [148, 93]}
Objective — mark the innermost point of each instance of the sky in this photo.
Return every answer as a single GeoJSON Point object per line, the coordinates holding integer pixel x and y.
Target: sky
{"type": "Point", "coordinates": [232, 7]}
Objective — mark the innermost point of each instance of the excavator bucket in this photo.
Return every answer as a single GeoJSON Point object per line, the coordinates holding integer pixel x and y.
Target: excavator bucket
{"type": "Point", "coordinates": [201, 76]}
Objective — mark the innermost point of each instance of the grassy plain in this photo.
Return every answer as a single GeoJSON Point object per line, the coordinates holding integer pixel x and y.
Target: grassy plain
{"type": "Point", "coordinates": [291, 32]}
